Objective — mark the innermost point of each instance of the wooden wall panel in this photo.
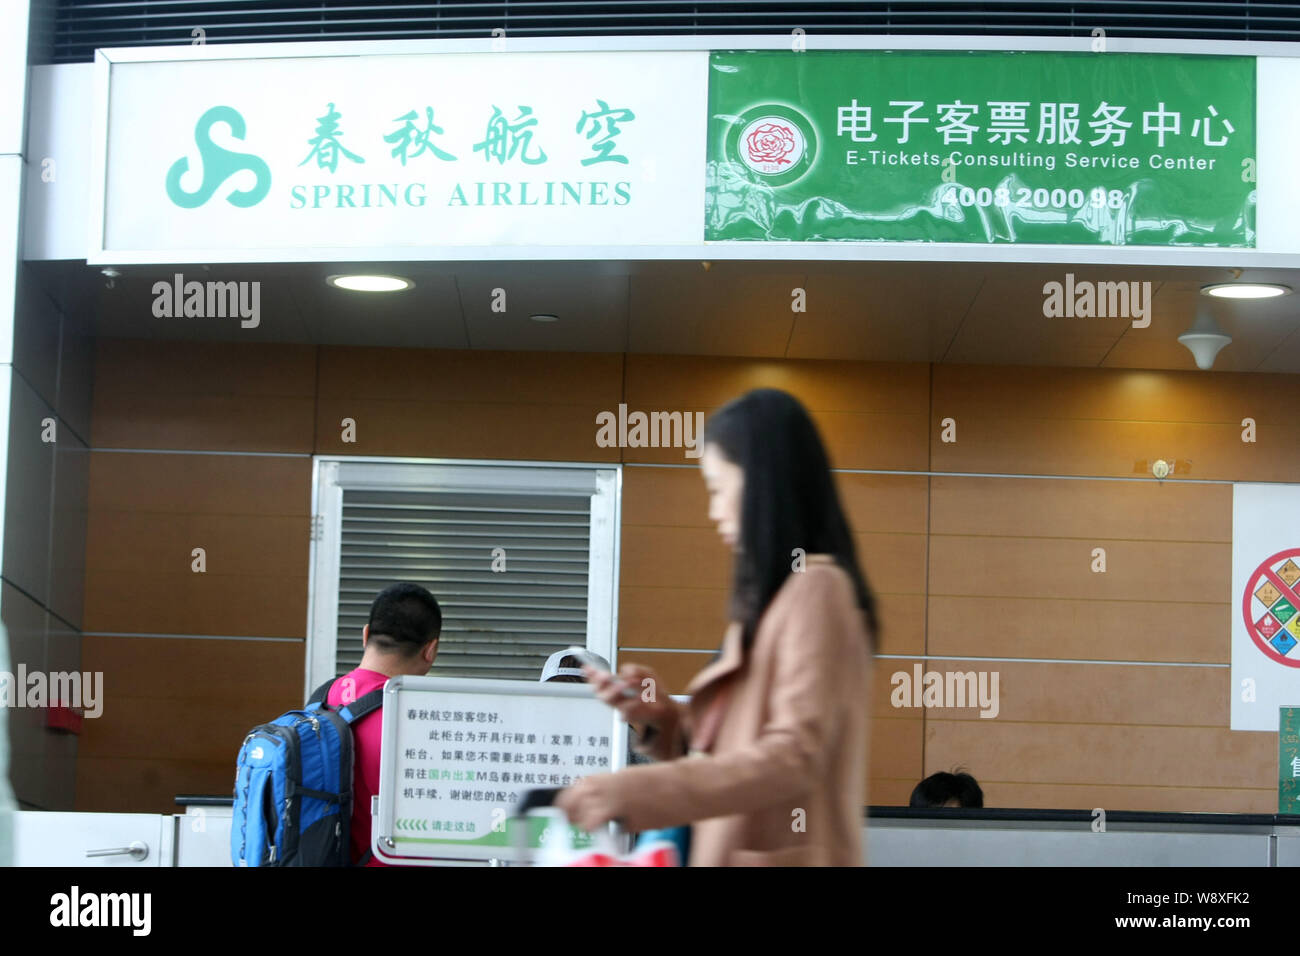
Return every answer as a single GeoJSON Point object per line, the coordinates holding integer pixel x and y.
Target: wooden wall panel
{"type": "Point", "coordinates": [1165, 571]}
{"type": "Point", "coordinates": [1075, 629]}
{"type": "Point", "coordinates": [465, 404]}
{"type": "Point", "coordinates": [894, 765]}
{"type": "Point", "coordinates": [207, 484]}
{"type": "Point", "coordinates": [667, 598]}
{"type": "Point", "coordinates": [203, 396]}
{"type": "Point", "coordinates": [1087, 756]}
{"type": "Point", "coordinates": [149, 784]}
{"type": "Point", "coordinates": [175, 711]}
{"type": "Point", "coordinates": [458, 375]}
{"type": "Point", "coordinates": [1059, 421]}
{"type": "Point", "coordinates": [672, 497]}
{"type": "Point", "coordinates": [1154, 799]}
{"type": "Point", "coordinates": [147, 512]}
{"type": "Point", "coordinates": [1115, 395]}
{"type": "Point", "coordinates": [1085, 735]}
{"type": "Point", "coordinates": [1028, 507]}
{"type": "Point", "coordinates": [462, 431]}
{"type": "Point", "coordinates": [687, 608]}
{"type": "Point", "coordinates": [1065, 693]}
{"type": "Point", "coordinates": [686, 567]}
{"type": "Point", "coordinates": [183, 602]}
{"type": "Point", "coordinates": [890, 515]}
{"type": "Point", "coordinates": [1092, 448]}
{"type": "Point", "coordinates": [893, 563]}
{"type": "Point", "coordinates": [891, 791]}
{"type": "Point", "coordinates": [1009, 576]}
{"type": "Point", "coordinates": [870, 415]}
{"type": "Point", "coordinates": [963, 566]}
{"type": "Point", "coordinates": [666, 557]}
{"type": "Point", "coordinates": [693, 618]}
{"type": "Point", "coordinates": [897, 504]}
{"type": "Point", "coordinates": [902, 621]}
{"type": "Point", "coordinates": [1011, 569]}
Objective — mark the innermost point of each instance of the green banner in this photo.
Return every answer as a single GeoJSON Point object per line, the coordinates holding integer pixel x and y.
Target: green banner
{"type": "Point", "coordinates": [1288, 761]}
{"type": "Point", "coordinates": [984, 147]}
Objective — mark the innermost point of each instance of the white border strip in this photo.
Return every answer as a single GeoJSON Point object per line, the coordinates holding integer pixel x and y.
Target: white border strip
{"type": "Point", "coordinates": [606, 44]}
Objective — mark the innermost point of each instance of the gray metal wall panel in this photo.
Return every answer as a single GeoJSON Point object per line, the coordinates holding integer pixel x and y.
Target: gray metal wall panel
{"type": "Point", "coordinates": [892, 844]}
{"type": "Point", "coordinates": [28, 493]}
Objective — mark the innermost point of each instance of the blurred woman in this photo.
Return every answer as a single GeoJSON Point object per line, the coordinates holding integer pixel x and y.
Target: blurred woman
{"type": "Point", "coordinates": [768, 761]}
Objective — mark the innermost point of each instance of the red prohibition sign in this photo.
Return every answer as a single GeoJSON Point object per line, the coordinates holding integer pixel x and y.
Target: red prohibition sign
{"type": "Point", "coordinates": [1287, 594]}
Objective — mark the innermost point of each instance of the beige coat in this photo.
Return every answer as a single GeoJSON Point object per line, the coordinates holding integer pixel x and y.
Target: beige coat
{"type": "Point", "coordinates": [777, 771]}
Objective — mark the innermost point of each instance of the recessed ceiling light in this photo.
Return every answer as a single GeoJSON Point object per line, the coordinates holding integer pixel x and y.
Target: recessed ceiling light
{"type": "Point", "coordinates": [544, 317]}
{"type": "Point", "coordinates": [1245, 290]}
{"type": "Point", "coordinates": [370, 283]}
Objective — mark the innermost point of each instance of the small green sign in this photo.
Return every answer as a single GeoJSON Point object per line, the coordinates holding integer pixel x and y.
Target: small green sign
{"type": "Point", "coordinates": [1288, 761]}
{"type": "Point", "coordinates": [985, 147]}
{"type": "Point", "coordinates": [536, 833]}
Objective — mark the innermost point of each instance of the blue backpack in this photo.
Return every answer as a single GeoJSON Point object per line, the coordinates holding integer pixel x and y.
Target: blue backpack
{"type": "Point", "coordinates": [293, 786]}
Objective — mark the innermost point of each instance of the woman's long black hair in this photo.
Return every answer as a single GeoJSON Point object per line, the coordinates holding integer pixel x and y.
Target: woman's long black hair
{"type": "Point", "coordinates": [788, 501]}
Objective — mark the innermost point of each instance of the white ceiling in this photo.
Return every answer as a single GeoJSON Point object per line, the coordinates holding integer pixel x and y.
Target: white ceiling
{"type": "Point", "coordinates": [978, 313]}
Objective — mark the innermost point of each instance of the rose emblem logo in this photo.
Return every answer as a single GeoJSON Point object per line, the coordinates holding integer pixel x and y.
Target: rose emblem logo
{"type": "Point", "coordinates": [774, 143]}
{"type": "Point", "coordinates": [771, 143]}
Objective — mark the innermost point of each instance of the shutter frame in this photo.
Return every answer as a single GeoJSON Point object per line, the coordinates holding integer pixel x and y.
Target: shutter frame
{"type": "Point", "coordinates": [435, 523]}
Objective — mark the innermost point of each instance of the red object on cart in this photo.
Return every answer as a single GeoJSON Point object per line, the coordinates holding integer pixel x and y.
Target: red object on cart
{"type": "Point", "coordinates": [656, 854]}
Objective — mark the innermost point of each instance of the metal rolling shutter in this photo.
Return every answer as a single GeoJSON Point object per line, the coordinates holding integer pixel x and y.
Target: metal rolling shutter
{"type": "Point", "coordinates": [439, 523]}
{"type": "Point", "coordinates": [495, 624]}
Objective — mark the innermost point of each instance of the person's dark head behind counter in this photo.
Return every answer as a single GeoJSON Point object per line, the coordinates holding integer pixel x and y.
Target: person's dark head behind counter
{"type": "Point", "coordinates": [764, 447]}
{"type": "Point", "coordinates": [948, 790]}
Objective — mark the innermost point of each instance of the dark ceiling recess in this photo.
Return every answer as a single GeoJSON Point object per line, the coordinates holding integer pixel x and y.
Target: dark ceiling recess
{"type": "Point", "coordinates": [83, 25]}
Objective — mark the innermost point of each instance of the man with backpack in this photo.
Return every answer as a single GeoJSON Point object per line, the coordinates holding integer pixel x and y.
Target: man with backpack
{"type": "Point", "coordinates": [304, 781]}
{"type": "Point", "coordinates": [401, 637]}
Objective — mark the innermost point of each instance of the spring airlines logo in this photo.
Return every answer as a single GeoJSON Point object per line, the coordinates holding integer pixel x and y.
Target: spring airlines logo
{"type": "Point", "coordinates": [219, 164]}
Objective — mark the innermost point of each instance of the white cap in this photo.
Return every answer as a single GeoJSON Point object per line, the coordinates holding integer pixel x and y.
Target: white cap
{"type": "Point", "coordinates": [552, 666]}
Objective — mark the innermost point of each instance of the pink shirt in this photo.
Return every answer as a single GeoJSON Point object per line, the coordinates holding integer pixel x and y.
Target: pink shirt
{"type": "Point", "coordinates": [366, 734]}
